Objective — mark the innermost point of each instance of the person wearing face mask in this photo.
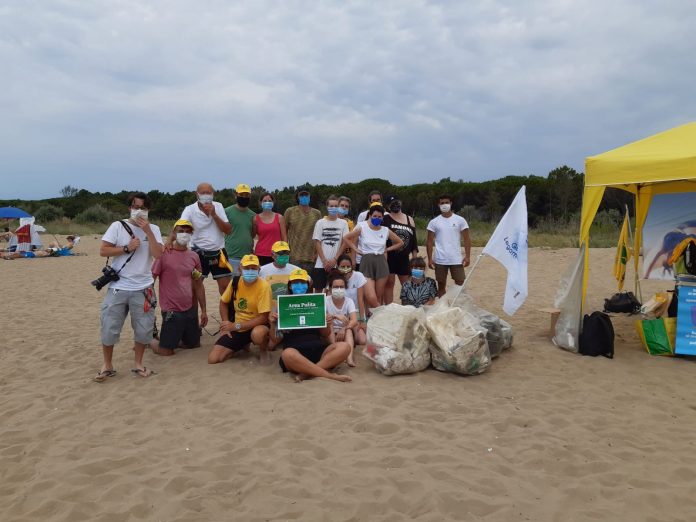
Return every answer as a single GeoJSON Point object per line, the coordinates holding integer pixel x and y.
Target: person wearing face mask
{"type": "Point", "coordinates": [305, 352]}
{"type": "Point", "coordinates": [418, 290]}
{"type": "Point", "coordinates": [398, 260]}
{"type": "Point", "coordinates": [373, 198]}
{"type": "Point", "coordinates": [244, 312]}
{"type": "Point", "coordinates": [300, 220]}
{"type": "Point", "coordinates": [372, 239]}
{"type": "Point", "coordinates": [447, 232]}
{"type": "Point", "coordinates": [132, 245]}
{"type": "Point", "coordinates": [270, 228]}
{"type": "Point", "coordinates": [355, 285]}
{"type": "Point", "coordinates": [344, 211]}
{"type": "Point", "coordinates": [240, 240]}
{"type": "Point", "coordinates": [328, 238]}
{"type": "Point", "coordinates": [341, 313]}
{"type": "Point", "coordinates": [180, 289]}
{"type": "Point", "coordinates": [210, 224]}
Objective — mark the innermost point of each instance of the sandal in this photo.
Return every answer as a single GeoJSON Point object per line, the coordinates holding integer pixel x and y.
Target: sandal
{"type": "Point", "coordinates": [102, 375]}
{"type": "Point", "coordinates": [144, 372]}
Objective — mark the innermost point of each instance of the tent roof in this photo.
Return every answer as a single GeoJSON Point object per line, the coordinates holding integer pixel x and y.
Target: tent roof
{"type": "Point", "coordinates": [667, 156]}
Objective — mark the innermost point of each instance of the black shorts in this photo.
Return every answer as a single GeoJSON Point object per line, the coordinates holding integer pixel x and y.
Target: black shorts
{"type": "Point", "coordinates": [311, 349]}
{"type": "Point", "coordinates": [319, 278]}
{"type": "Point", "coordinates": [399, 263]}
{"type": "Point", "coordinates": [210, 263]}
{"type": "Point", "coordinates": [265, 260]}
{"type": "Point", "coordinates": [237, 342]}
{"type": "Point", "coordinates": [180, 327]}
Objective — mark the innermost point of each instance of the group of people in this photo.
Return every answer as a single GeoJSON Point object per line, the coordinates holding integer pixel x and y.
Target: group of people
{"type": "Point", "coordinates": [256, 257]}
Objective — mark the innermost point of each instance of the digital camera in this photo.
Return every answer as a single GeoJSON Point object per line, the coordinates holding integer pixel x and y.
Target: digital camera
{"type": "Point", "coordinates": [109, 276]}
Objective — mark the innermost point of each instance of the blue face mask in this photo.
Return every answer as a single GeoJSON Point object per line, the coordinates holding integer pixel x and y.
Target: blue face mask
{"type": "Point", "coordinates": [250, 276]}
{"type": "Point", "coordinates": [299, 288]}
{"type": "Point", "coordinates": [376, 221]}
{"type": "Point", "coordinates": [266, 205]}
{"type": "Point", "coordinates": [333, 211]}
{"type": "Point", "coordinates": [304, 200]}
{"type": "Point", "coordinates": [418, 273]}
{"type": "Point", "coordinates": [343, 211]}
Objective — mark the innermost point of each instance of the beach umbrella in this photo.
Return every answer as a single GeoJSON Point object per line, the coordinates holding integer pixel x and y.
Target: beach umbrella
{"type": "Point", "coordinates": [13, 213]}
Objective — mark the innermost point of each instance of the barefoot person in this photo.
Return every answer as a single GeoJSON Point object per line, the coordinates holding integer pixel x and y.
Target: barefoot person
{"type": "Point", "coordinates": [355, 284]}
{"type": "Point", "coordinates": [341, 313]}
{"type": "Point", "coordinates": [132, 245]}
{"type": "Point", "coordinates": [180, 290]}
{"type": "Point", "coordinates": [305, 352]}
{"type": "Point", "coordinates": [244, 312]}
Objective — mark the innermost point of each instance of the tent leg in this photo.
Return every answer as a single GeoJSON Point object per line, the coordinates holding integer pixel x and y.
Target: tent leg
{"type": "Point", "coordinates": [636, 279]}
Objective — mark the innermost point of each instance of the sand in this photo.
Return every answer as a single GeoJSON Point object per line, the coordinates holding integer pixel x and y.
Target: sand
{"type": "Point", "coordinates": [544, 435]}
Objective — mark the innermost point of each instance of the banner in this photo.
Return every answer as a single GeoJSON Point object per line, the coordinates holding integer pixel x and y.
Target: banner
{"type": "Point", "coordinates": [301, 311]}
{"type": "Point", "coordinates": [686, 317]}
{"type": "Point", "coordinates": [508, 245]}
{"type": "Point", "coordinates": [623, 254]}
{"type": "Point", "coordinates": [670, 220]}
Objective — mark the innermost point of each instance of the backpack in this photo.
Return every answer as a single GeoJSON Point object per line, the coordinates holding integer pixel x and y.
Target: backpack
{"type": "Point", "coordinates": [622, 302]}
{"type": "Point", "coordinates": [690, 258]}
{"type": "Point", "coordinates": [230, 305]}
{"type": "Point", "coordinates": [597, 336]}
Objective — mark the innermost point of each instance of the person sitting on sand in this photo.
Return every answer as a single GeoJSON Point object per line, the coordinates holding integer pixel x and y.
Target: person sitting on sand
{"type": "Point", "coordinates": [181, 287]}
{"type": "Point", "coordinates": [304, 350]}
{"type": "Point", "coordinates": [341, 313]}
{"type": "Point", "coordinates": [244, 312]}
{"type": "Point", "coordinates": [418, 290]}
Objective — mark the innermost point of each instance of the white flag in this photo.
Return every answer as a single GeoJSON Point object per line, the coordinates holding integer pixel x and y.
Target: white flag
{"type": "Point", "coordinates": [508, 245]}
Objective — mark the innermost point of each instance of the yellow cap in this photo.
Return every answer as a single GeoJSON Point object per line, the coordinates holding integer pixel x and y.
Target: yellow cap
{"type": "Point", "coordinates": [183, 223]}
{"type": "Point", "coordinates": [249, 259]}
{"type": "Point", "coordinates": [375, 204]}
{"type": "Point", "coordinates": [243, 187]}
{"type": "Point", "coordinates": [280, 246]}
{"type": "Point", "coordinates": [300, 274]}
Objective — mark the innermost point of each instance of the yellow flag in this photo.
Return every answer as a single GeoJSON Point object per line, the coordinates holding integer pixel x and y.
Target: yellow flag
{"type": "Point", "coordinates": [623, 254]}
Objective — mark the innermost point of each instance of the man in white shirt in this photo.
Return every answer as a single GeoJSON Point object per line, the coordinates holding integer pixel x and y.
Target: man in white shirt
{"type": "Point", "coordinates": [210, 224]}
{"type": "Point", "coordinates": [328, 236]}
{"type": "Point", "coordinates": [447, 232]}
{"type": "Point", "coordinates": [132, 244]}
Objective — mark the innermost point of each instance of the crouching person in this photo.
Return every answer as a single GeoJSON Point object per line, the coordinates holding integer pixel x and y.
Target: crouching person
{"type": "Point", "coordinates": [305, 351]}
{"type": "Point", "coordinates": [181, 287]}
{"type": "Point", "coordinates": [244, 309]}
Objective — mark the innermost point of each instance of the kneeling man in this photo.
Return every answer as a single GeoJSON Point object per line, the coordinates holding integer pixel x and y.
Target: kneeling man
{"type": "Point", "coordinates": [244, 309]}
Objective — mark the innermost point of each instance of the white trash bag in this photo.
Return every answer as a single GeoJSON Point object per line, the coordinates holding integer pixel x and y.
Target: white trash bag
{"type": "Point", "coordinates": [458, 345]}
{"type": "Point", "coordinates": [397, 340]}
{"type": "Point", "coordinates": [498, 332]}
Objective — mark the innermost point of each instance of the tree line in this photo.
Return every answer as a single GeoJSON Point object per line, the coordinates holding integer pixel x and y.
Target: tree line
{"type": "Point", "coordinates": [557, 196]}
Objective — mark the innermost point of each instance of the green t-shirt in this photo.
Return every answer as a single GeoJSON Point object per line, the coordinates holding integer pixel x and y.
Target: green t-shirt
{"type": "Point", "coordinates": [239, 242]}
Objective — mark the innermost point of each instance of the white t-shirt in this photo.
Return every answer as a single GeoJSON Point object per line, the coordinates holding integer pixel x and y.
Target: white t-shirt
{"type": "Point", "coordinates": [448, 239]}
{"type": "Point", "coordinates": [277, 278]}
{"type": "Point", "coordinates": [330, 233]}
{"type": "Point", "coordinates": [372, 241]}
{"type": "Point", "coordinates": [206, 234]}
{"type": "Point", "coordinates": [357, 280]}
{"type": "Point", "coordinates": [137, 274]}
{"type": "Point", "coordinates": [347, 309]}
{"type": "Point", "coordinates": [363, 216]}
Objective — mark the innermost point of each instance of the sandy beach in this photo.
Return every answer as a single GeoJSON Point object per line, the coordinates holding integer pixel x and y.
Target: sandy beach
{"type": "Point", "coordinates": [544, 435]}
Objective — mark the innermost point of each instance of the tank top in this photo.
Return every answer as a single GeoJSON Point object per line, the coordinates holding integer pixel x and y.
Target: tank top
{"type": "Point", "coordinates": [372, 241]}
{"type": "Point", "coordinates": [268, 234]}
{"type": "Point", "coordinates": [406, 233]}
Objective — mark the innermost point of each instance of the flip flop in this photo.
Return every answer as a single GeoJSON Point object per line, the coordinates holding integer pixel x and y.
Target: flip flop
{"type": "Point", "coordinates": [101, 376]}
{"type": "Point", "coordinates": [144, 373]}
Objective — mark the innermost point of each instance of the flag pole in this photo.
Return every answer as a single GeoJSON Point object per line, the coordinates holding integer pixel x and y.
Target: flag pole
{"type": "Point", "coordinates": [467, 279]}
{"type": "Point", "coordinates": [636, 279]}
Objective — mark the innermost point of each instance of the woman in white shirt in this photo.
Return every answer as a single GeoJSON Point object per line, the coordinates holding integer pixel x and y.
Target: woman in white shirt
{"type": "Point", "coordinates": [355, 285]}
{"type": "Point", "coordinates": [372, 239]}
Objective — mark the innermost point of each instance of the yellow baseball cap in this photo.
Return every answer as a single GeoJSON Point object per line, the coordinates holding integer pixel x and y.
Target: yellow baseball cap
{"type": "Point", "coordinates": [183, 223]}
{"type": "Point", "coordinates": [376, 204]}
{"type": "Point", "coordinates": [249, 259]}
{"type": "Point", "coordinates": [298, 274]}
{"type": "Point", "coordinates": [280, 246]}
{"type": "Point", "coordinates": [243, 187]}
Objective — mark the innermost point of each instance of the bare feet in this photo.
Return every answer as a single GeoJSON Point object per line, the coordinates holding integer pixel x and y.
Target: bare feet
{"type": "Point", "coordinates": [299, 377]}
{"type": "Point", "coordinates": [341, 378]}
{"type": "Point", "coordinates": [264, 358]}
{"type": "Point", "coordinates": [350, 361]}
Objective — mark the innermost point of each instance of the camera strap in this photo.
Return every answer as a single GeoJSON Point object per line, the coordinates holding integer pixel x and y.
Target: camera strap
{"type": "Point", "coordinates": [130, 232]}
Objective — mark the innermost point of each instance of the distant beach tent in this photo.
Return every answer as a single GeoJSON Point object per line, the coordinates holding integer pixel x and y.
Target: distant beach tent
{"type": "Point", "coordinates": [661, 164]}
{"type": "Point", "coordinates": [13, 213]}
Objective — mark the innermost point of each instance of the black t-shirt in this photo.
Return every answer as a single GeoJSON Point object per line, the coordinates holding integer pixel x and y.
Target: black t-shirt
{"type": "Point", "coordinates": [406, 233]}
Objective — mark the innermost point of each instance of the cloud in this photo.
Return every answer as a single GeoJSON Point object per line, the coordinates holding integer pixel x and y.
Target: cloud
{"type": "Point", "coordinates": [108, 95]}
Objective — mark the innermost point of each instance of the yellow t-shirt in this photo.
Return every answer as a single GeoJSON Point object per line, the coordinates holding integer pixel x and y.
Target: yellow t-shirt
{"type": "Point", "coordinates": [251, 301]}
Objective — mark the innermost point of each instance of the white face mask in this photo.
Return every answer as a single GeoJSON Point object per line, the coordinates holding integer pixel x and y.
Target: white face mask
{"type": "Point", "coordinates": [445, 207]}
{"type": "Point", "coordinates": [205, 198]}
{"type": "Point", "coordinates": [338, 293]}
{"type": "Point", "coordinates": [135, 214]}
{"type": "Point", "coordinates": [183, 238]}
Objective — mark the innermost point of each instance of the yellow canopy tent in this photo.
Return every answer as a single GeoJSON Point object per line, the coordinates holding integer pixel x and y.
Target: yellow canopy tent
{"type": "Point", "coordinates": [661, 164]}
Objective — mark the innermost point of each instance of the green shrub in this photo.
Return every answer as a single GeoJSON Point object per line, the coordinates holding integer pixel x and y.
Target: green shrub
{"type": "Point", "coordinates": [48, 213]}
{"type": "Point", "coordinates": [96, 214]}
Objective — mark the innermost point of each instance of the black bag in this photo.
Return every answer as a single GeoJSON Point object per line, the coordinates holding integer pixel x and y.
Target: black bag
{"type": "Point", "coordinates": [690, 258]}
{"type": "Point", "coordinates": [597, 337]}
{"type": "Point", "coordinates": [230, 305]}
{"type": "Point", "coordinates": [622, 302]}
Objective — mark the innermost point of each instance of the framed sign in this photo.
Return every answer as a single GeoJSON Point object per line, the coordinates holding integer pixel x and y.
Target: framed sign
{"type": "Point", "coordinates": [301, 311]}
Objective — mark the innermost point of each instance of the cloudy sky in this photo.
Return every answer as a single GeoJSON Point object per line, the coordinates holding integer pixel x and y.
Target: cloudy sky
{"type": "Point", "coordinates": [126, 94]}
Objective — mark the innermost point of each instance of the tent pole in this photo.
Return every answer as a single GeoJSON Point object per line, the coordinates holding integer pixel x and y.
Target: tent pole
{"type": "Point", "coordinates": [636, 279]}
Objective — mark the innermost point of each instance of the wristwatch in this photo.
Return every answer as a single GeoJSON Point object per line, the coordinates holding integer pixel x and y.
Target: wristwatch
{"type": "Point", "coordinates": [237, 326]}
{"type": "Point", "coordinates": [126, 249]}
